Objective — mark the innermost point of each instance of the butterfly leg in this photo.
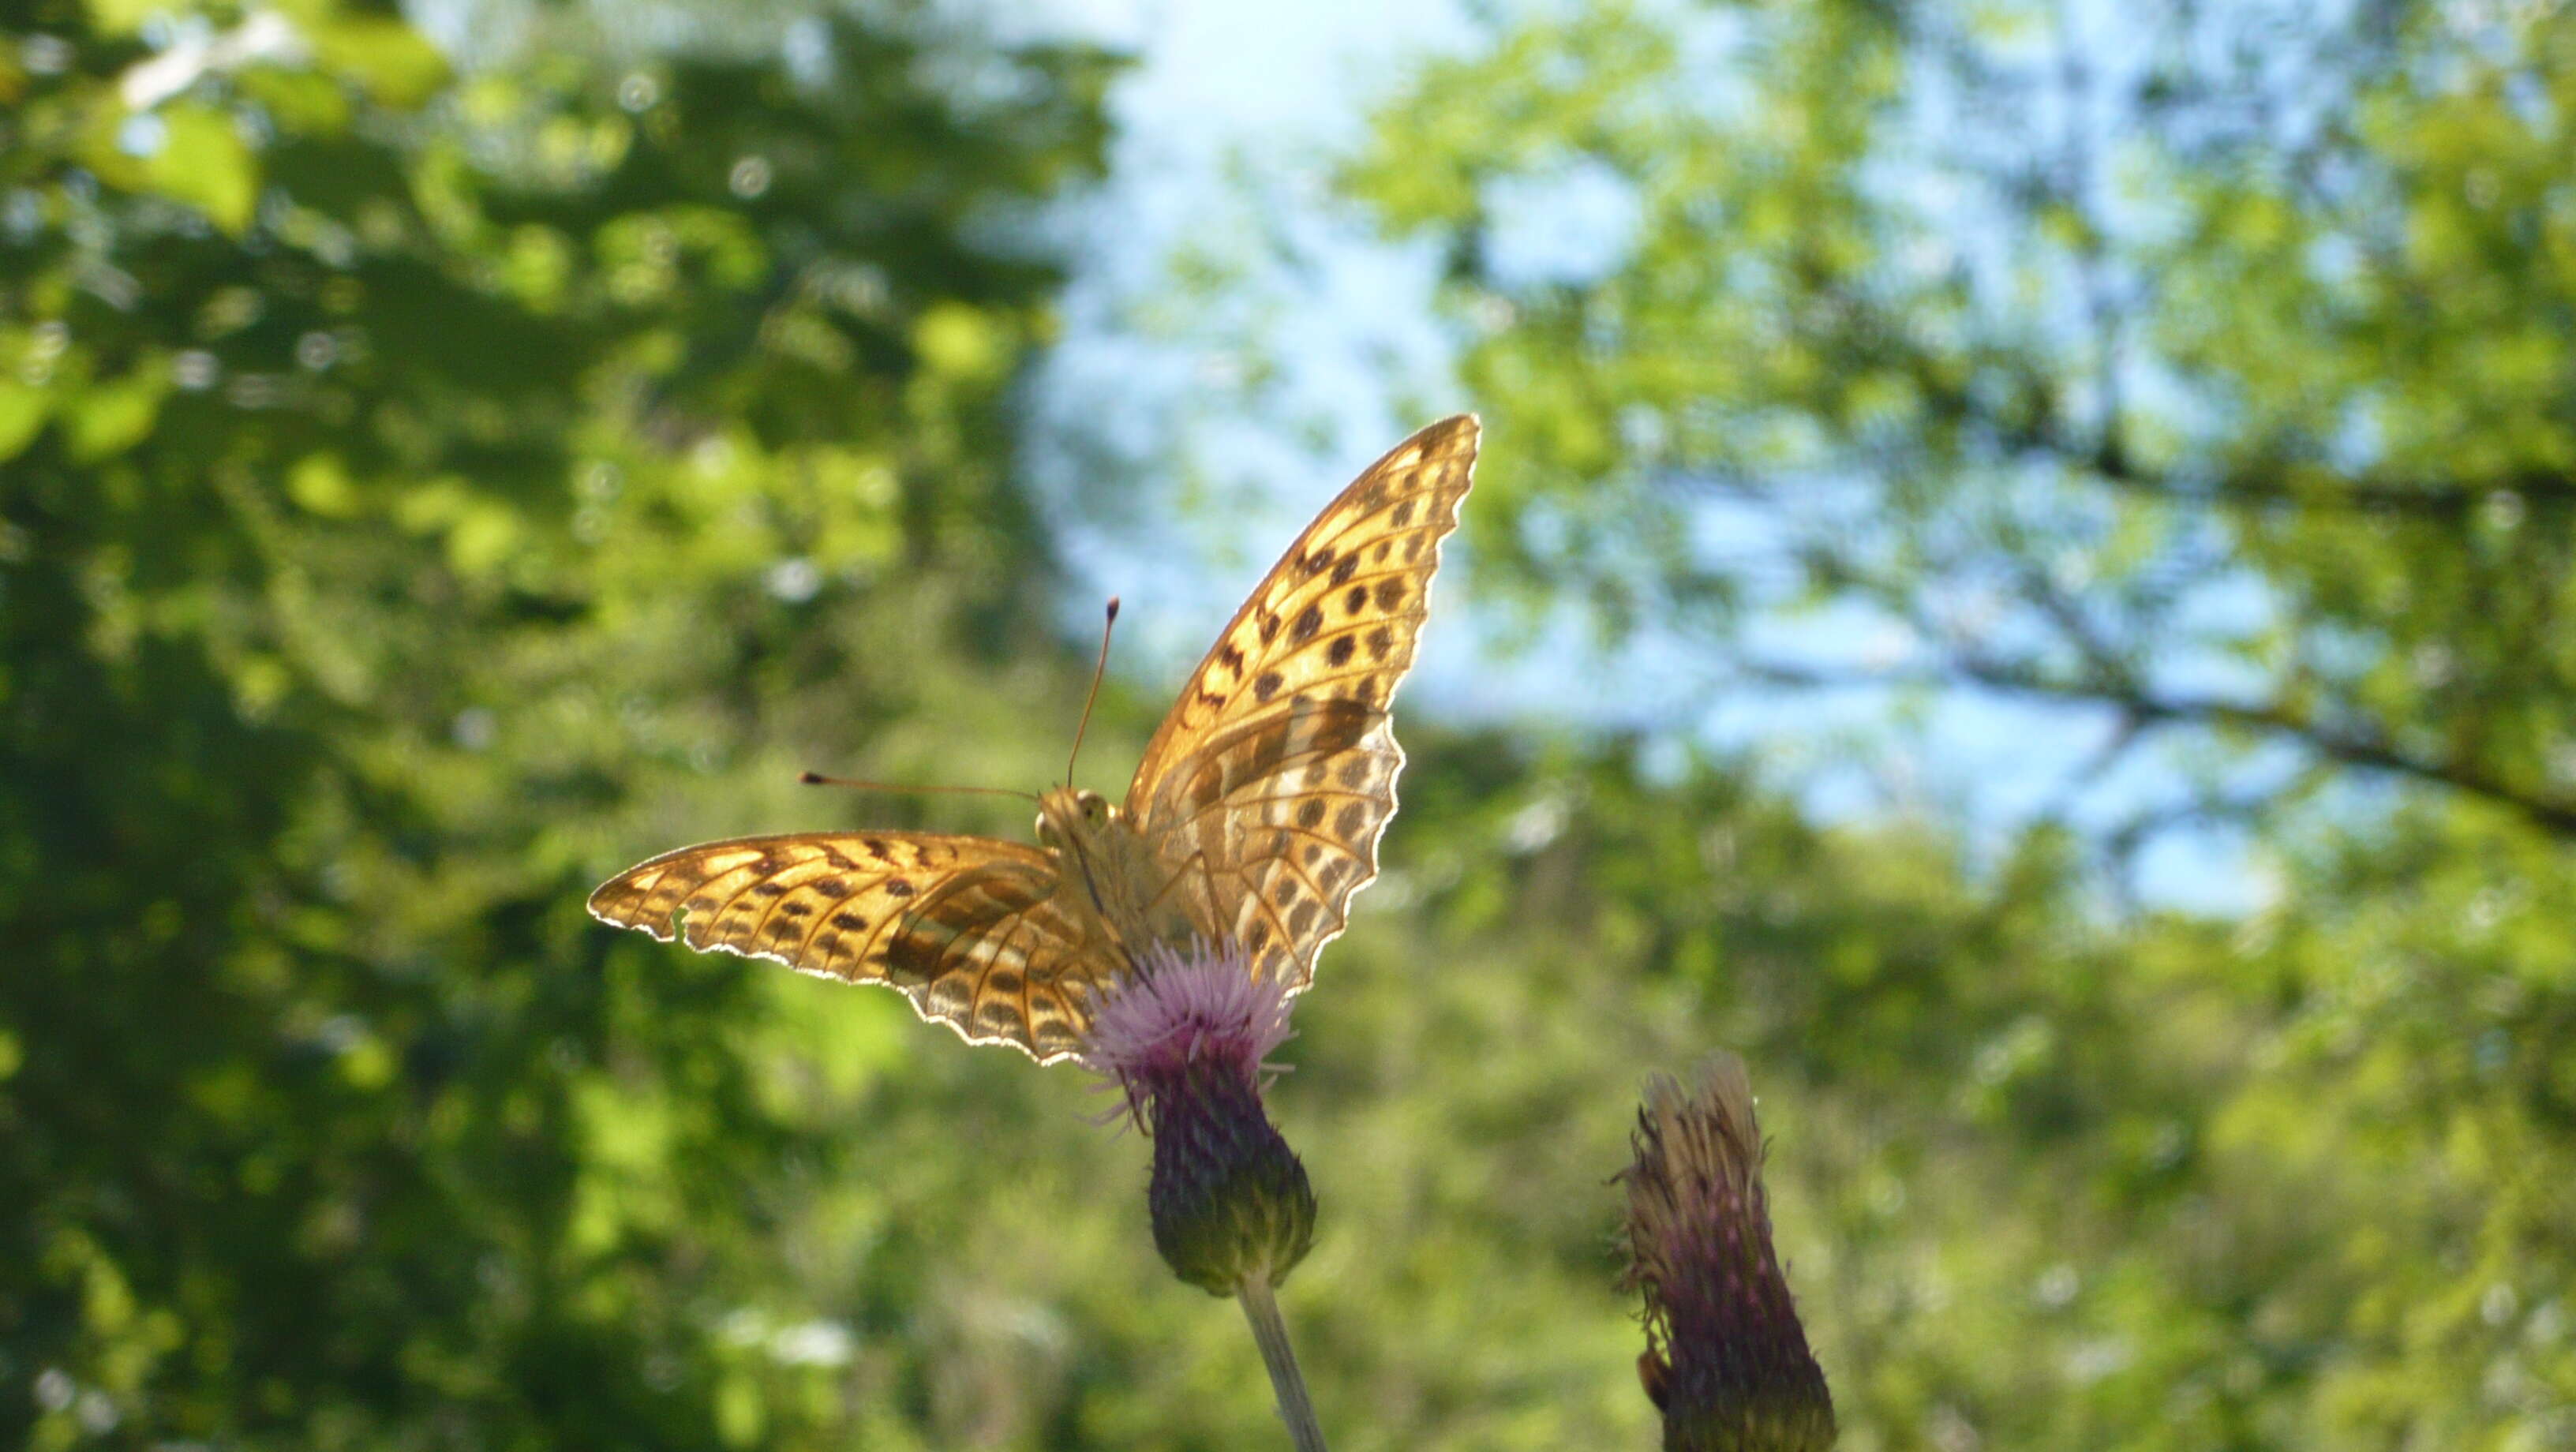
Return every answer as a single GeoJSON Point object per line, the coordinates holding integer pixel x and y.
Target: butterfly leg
{"type": "Point", "coordinates": [1261, 942]}
{"type": "Point", "coordinates": [1177, 927]}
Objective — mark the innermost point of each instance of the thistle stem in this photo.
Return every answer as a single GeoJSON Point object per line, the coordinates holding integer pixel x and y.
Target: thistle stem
{"type": "Point", "coordinates": [1271, 1334]}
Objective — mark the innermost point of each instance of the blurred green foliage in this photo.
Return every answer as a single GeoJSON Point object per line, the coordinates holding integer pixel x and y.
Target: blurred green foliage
{"type": "Point", "coordinates": [426, 492]}
{"type": "Point", "coordinates": [423, 491]}
{"type": "Point", "coordinates": [2211, 367]}
{"type": "Point", "coordinates": [2208, 369]}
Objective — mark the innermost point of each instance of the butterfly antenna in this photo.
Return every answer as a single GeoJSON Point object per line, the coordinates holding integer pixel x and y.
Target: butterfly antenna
{"type": "Point", "coordinates": [1097, 671]}
{"type": "Point", "coordinates": [816, 778]}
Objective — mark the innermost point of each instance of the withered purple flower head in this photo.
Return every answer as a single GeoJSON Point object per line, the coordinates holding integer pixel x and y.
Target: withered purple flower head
{"type": "Point", "coordinates": [1185, 1041]}
{"type": "Point", "coordinates": [1726, 1360]}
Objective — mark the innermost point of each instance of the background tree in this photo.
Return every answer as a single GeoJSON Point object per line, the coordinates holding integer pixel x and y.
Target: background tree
{"type": "Point", "coordinates": [2208, 372]}
{"type": "Point", "coordinates": [427, 490]}
{"type": "Point", "coordinates": [2210, 368]}
{"type": "Point", "coordinates": [420, 488]}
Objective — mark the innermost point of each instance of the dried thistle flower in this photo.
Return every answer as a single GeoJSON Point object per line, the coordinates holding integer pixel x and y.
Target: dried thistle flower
{"type": "Point", "coordinates": [1726, 1360]}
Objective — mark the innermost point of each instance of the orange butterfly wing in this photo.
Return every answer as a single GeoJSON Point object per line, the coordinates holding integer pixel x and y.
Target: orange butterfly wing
{"type": "Point", "coordinates": [1266, 788]}
{"type": "Point", "coordinates": [1260, 798]}
{"type": "Point", "coordinates": [967, 927]}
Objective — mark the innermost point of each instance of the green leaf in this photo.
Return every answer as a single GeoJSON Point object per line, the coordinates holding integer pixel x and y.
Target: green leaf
{"type": "Point", "coordinates": [960, 341]}
{"type": "Point", "coordinates": [108, 418]}
{"type": "Point", "coordinates": [204, 162]}
{"type": "Point", "coordinates": [124, 17]}
{"type": "Point", "coordinates": [320, 483]}
{"type": "Point", "coordinates": [22, 413]}
{"type": "Point", "coordinates": [394, 64]}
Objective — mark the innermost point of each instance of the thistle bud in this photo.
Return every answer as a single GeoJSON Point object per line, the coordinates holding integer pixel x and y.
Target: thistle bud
{"type": "Point", "coordinates": [1726, 1360]}
{"type": "Point", "coordinates": [1184, 1040]}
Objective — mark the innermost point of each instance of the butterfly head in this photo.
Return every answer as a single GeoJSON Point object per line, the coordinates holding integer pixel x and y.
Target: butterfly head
{"type": "Point", "coordinates": [1067, 816]}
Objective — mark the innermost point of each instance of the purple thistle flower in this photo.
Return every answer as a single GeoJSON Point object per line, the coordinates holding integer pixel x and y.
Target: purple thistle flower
{"type": "Point", "coordinates": [1726, 1360]}
{"type": "Point", "coordinates": [1184, 1039]}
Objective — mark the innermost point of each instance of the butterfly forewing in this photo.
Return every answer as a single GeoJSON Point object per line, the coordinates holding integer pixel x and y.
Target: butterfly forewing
{"type": "Point", "coordinates": [1258, 807]}
{"type": "Point", "coordinates": [968, 927]}
{"type": "Point", "coordinates": [1266, 787]}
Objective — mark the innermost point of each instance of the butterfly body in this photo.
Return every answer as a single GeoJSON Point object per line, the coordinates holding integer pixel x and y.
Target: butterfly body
{"type": "Point", "coordinates": [1110, 878]}
{"type": "Point", "coordinates": [1252, 820]}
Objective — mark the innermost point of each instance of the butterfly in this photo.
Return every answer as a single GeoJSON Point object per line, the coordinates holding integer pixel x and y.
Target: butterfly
{"type": "Point", "coordinates": [1252, 820]}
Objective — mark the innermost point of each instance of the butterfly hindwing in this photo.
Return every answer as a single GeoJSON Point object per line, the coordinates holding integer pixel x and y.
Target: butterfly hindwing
{"type": "Point", "coordinates": [1258, 808]}
{"type": "Point", "coordinates": [1266, 787]}
{"type": "Point", "coordinates": [969, 928]}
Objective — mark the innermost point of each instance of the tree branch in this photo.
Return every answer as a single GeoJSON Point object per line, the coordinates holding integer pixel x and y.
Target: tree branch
{"type": "Point", "coordinates": [2554, 815]}
{"type": "Point", "coordinates": [2440, 499]}
{"type": "Point", "coordinates": [2256, 483]}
